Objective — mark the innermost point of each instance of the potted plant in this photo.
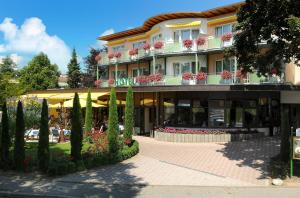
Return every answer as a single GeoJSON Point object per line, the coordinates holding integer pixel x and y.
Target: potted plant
{"type": "Point", "coordinates": [117, 55]}
{"type": "Point", "coordinates": [226, 77]}
{"type": "Point", "coordinates": [238, 76]}
{"type": "Point", "coordinates": [111, 82]}
{"type": "Point", "coordinates": [187, 78]}
{"type": "Point", "coordinates": [201, 78]}
{"type": "Point", "coordinates": [187, 43]}
{"type": "Point", "coordinates": [200, 41]}
{"type": "Point", "coordinates": [158, 45]}
{"type": "Point", "coordinates": [274, 77]}
{"type": "Point", "coordinates": [111, 57]}
{"type": "Point", "coordinates": [98, 83]}
{"type": "Point", "coordinates": [133, 53]}
{"type": "Point", "coordinates": [147, 47]}
{"type": "Point", "coordinates": [142, 80]}
{"type": "Point", "coordinates": [226, 36]}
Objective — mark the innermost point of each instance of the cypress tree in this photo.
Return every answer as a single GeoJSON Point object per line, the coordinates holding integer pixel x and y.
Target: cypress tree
{"type": "Point", "coordinates": [19, 150]}
{"type": "Point", "coordinates": [76, 130]}
{"type": "Point", "coordinates": [43, 147]}
{"type": "Point", "coordinates": [129, 122]}
{"type": "Point", "coordinates": [5, 138]}
{"type": "Point", "coordinates": [88, 114]}
{"type": "Point", "coordinates": [113, 127]}
{"type": "Point", "coordinates": [74, 74]}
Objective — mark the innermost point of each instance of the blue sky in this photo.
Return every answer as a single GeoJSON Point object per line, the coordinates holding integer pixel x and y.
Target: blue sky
{"type": "Point", "coordinates": [56, 26]}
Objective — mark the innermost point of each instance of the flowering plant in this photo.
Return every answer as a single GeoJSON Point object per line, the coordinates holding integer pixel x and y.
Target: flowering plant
{"type": "Point", "coordinates": [118, 54]}
{"type": "Point", "coordinates": [188, 43]}
{"type": "Point", "coordinates": [100, 141]}
{"type": "Point", "coordinates": [111, 55]}
{"type": "Point", "coordinates": [146, 46]}
{"type": "Point", "coordinates": [201, 76]}
{"type": "Point", "coordinates": [98, 57]}
{"type": "Point", "coordinates": [226, 36]}
{"type": "Point", "coordinates": [200, 41]}
{"type": "Point", "coordinates": [98, 83]}
{"type": "Point", "coordinates": [274, 71]}
{"type": "Point", "coordinates": [225, 75]}
{"type": "Point", "coordinates": [111, 81]}
{"type": "Point", "coordinates": [155, 77]}
{"type": "Point", "coordinates": [158, 45]}
{"type": "Point", "coordinates": [191, 131]}
{"type": "Point", "coordinates": [239, 73]}
{"type": "Point", "coordinates": [142, 79]}
{"type": "Point", "coordinates": [187, 76]}
{"type": "Point", "coordinates": [133, 52]}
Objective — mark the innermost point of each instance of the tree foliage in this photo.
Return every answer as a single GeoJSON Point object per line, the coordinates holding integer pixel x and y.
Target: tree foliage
{"type": "Point", "coordinates": [113, 126]}
{"type": "Point", "coordinates": [39, 74]}
{"type": "Point", "coordinates": [74, 74]}
{"type": "Point", "coordinates": [76, 130]}
{"type": "Point", "coordinates": [7, 66]}
{"type": "Point", "coordinates": [275, 22]}
{"type": "Point", "coordinates": [19, 149]}
{"type": "Point", "coordinates": [129, 119]}
{"type": "Point", "coordinates": [88, 114]}
{"type": "Point", "coordinates": [5, 138]}
{"type": "Point", "coordinates": [43, 147]}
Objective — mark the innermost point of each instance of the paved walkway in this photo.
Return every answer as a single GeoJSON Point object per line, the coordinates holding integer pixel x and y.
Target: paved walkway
{"type": "Point", "coordinates": [205, 164]}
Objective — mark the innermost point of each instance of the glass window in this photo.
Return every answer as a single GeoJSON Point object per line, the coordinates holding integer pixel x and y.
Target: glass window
{"type": "Point", "coordinates": [176, 69]}
{"type": "Point", "coordinates": [226, 64]}
{"type": "Point", "coordinates": [121, 74]}
{"type": "Point", "coordinates": [169, 111]}
{"type": "Point", "coordinates": [138, 45]}
{"type": "Point", "coordinates": [185, 67]}
{"type": "Point", "coordinates": [118, 48]}
{"type": "Point", "coordinates": [218, 31]}
{"type": "Point", "coordinates": [195, 34]}
{"type": "Point", "coordinates": [185, 34]}
{"type": "Point", "coordinates": [184, 103]}
{"type": "Point", "coordinates": [199, 113]}
{"type": "Point", "coordinates": [159, 69]}
{"type": "Point", "coordinates": [194, 67]}
{"type": "Point", "coordinates": [219, 67]}
{"type": "Point", "coordinates": [183, 110]}
{"type": "Point", "coordinates": [157, 37]}
{"type": "Point", "coordinates": [142, 71]}
{"type": "Point", "coordinates": [176, 36]}
{"type": "Point", "coordinates": [227, 28]}
{"type": "Point", "coordinates": [216, 113]}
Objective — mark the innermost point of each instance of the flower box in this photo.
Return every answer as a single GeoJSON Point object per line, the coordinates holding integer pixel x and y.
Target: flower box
{"type": "Point", "coordinates": [188, 44]}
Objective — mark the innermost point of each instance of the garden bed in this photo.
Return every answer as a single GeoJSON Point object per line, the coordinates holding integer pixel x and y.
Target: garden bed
{"type": "Point", "coordinates": [203, 135]}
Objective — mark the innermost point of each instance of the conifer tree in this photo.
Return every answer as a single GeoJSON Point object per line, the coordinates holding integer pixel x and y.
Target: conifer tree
{"type": "Point", "coordinates": [5, 138]}
{"type": "Point", "coordinates": [43, 147]}
{"type": "Point", "coordinates": [76, 130]}
{"type": "Point", "coordinates": [88, 114]}
{"type": "Point", "coordinates": [19, 150]}
{"type": "Point", "coordinates": [113, 127]}
{"type": "Point", "coordinates": [129, 122]}
{"type": "Point", "coordinates": [74, 75]}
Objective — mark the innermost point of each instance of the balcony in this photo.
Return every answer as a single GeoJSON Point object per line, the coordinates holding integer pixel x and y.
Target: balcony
{"type": "Point", "coordinates": [211, 43]}
{"type": "Point", "coordinates": [211, 79]}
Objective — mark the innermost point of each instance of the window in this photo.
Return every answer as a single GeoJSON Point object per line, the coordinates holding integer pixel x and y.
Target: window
{"type": "Point", "coordinates": [155, 38]}
{"type": "Point", "coordinates": [199, 113]}
{"type": "Point", "coordinates": [225, 64]}
{"type": "Point", "coordinates": [184, 112]}
{"type": "Point", "coordinates": [169, 112]}
{"type": "Point", "coordinates": [121, 74]}
{"type": "Point", "coordinates": [185, 34]}
{"type": "Point", "coordinates": [195, 34]}
{"type": "Point", "coordinates": [159, 69]}
{"type": "Point", "coordinates": [185, 67]}
{"type": "Point", "coordinates": [118, 48]}
{"type": "Point", "coordinates": [180, 68]}
{"type": "Point", "coordinates": [220, 30]}
{"type": "Point", "coordinates": [138, 45]}
{"type": "Point", "coordinates": [216, 113]}
{"type": "Point", "coordinates": [181, 35]}
{"type": "Point", "coordinates": [176, 69]}
{"type": "Point", "coordinates": [176, 36]}
{"type": "Point", "coordinates": [139, 71]}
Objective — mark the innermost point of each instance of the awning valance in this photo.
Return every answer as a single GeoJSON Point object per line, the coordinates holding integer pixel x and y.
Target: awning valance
{"type": "Point", "coordinates": [184, 25]}
{"type": "Point", "coordinates": [218, 21]}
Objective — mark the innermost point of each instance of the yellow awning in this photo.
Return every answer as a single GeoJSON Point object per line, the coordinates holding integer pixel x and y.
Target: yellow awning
{"type": "Point", "coordinates": [218, 21]}
{"type": "Point", "coordinates": [69, 104]}
{"type": "Point", "coordinates": [94, 95]}
{"type": "Point", "coordinates": [62, 96]}
{"type": "Point", "coordinates": [39, 96]}
{"type": "Point", "coordinates": [184, 25]}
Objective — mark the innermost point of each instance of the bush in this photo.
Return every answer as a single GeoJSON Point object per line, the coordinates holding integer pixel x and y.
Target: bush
{"type": "Point", "coordinates": [129, 120]}
{"type": "Point", "coordinates": [130, 151]}
{"type": "Point", "coordinates": [88, 114]}
{"type": "Point", "coordinates": [113, 127]}
{"type": "Point", "coordinates": [61, 166]}
{"type": "Point", "coordinates": [19, 149]}
{"type": "Point", "coordinates": [5, 139]}
{"type": "Point", "coordinates": [43, 147]}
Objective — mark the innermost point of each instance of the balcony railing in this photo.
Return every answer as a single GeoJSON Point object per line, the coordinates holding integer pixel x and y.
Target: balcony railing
{"type": "Point", "coordinates": [211, 43]}
{"type": "Point", "coordinates": [211, 79]}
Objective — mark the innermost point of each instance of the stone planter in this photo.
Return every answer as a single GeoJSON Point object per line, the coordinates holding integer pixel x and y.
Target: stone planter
{"type": "Point", "coordinates": [188, 82]}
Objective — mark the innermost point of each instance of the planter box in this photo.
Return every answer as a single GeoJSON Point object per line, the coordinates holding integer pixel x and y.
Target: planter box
{"type": "Point", "coordinates": [202, 138]}
{"type": "Point", "coordinates": [188, 82]}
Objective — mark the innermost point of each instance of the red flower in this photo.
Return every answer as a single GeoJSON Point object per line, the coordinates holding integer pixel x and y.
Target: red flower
{"type": "Point", "coordinates": [187, 76]}
{"type": "Point", "coordinates": [227, 36]}
{"type": "Point", "coordinates": [158, 45]}
{"type": "Point", "coordinates": [142, 79]}
{"type": "Point", "coordinates": [98, 57]}
{"type": "Point", "coordinates": [118, 55]}
{"type": "Point", "coordinates": [146, 46]}
{"type": "Point", "coordinates": [133, 52]}
{"type": "Point", "coordinates": [111, 81]}
{"type": "Point", "coordinates": [274, 71]}
{"type": "Point", "coordinates": [200, 41]}
{"type": "Point", "coordinates": [158, 77]}
{"type": "Point", "coordinates": [98, 83]}
{"type": "Point", "coordinates": [201, 76]}
{"type": "Point", "coordinates": [239, 73]}
{"type": "Point", "coordinates": [188, 43]}
{"type": "Point", "coordinates": [111, 55]}
{"type": "Point", "coordinates": [225, 75]}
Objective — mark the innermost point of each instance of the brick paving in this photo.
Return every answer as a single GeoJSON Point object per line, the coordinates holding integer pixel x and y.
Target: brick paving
{"type": "Point", "coordinates": [205, 164]}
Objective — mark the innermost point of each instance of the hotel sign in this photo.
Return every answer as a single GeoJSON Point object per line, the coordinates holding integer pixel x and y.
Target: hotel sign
{"type": "Point", "coordinates": [296, 148]}
{"type": "Point", "coordinates": [125, 82]}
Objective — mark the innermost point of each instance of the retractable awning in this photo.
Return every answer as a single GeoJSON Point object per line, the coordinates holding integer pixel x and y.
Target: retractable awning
{"type": "Point", "coordinates": [69, 104]}
{"type": "Point", "coordinates": [184, 25]}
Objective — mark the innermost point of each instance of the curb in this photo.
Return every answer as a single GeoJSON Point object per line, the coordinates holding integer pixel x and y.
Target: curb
{"type": "Point", "coordinates": [35, 195]}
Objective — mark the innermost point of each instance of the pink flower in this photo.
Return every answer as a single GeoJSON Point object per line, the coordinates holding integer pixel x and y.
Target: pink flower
{"type": "Point", "coordinates": [201, 76]}
{"type": "Point", "coordinates": [118, 54]}
{"type": "Point", "coordinates": [111, 81]}
{"type": "Point", "coordinates": [227, 36]}
{"type": "Point", "coordinates": [188, 43]}
{"type": "Point", "coordinates": [111, 55]}
{"type": "Point", "coordinates": [200, 41]}
{"type": "Point", "coordinates": [226, 75]}
{"type": "Point", "coordinates": [187, 76]}
{"type": "Point", "coordinates": [98, 57]}
{"type": "Point", "coordinates": [274, 71]}
{"type": "Point", "coordinates": [146, 46]}
{"type": "Point", "coordinates": [158, 45]}
{"type": "Point", "coordinates": [133, 52]}
{"type": "Point", "coordinates": [98, 83]}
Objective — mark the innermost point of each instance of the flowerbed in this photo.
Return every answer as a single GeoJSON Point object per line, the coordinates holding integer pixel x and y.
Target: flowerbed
{"type": "Point", "coordinates": [192, 131]}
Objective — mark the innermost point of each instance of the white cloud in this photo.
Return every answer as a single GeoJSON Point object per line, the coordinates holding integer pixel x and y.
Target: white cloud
{"type": "Point", "coordinates": [15, 58]}
{"type": "Point", "coordinates": [105, 33]}
{"type": "Point", "coordinates": [32, 38]}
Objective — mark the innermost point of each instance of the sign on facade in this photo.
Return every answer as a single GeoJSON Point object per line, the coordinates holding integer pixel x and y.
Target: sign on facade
{"type": "Point", "coordinates": [296, 148]}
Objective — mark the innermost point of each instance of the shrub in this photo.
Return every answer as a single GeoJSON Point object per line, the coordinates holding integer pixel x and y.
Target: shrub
{"type": "Point", "coordinates": [19, 150]}
{"type": "Point", "coordinates": [130, 150]}
{"type": "Point", "coordinates": [61, 166]}
{"type": "Point", "coordinates": [88, 114]}
{"type": "Point", "coordinates": [113, 127]}
{"type": "Point", "coordinates": [129, 119]}
{"type": "Point", "coordinates": [43, 147]}
{"type": "Point", "coordinates": [5, 138]}
{"type": "Point", "coordinates": [76, 130]}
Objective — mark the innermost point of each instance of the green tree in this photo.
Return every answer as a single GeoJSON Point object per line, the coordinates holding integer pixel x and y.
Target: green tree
{"type": "Point", "coordinates": [74, 75]}
{"type": "Point", "coordinates": [5, 138]}
{"type": "Point", "coordinates": [7, 66]}
{"type": "Point", "coordinates": [39, 74]}
{"type": "Point", "coordinates": [43, 147]}
{"type": "Point", "coordinates": [129, 120]}
{"type": "Point", "coordinates": [88, 114]}
{"type": "Point", "coordinates": [113, 127]}
{"type": "Point", "coordinates": [76, 130]}
{"type": "Point", "coordinates": [19, 150]}
{"type": "Point", "coordinates": [275, 22]}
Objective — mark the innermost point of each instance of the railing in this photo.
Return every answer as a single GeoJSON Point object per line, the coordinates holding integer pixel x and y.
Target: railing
{"type": "Point", "coordinates": [211, 43]}
{"type": "Point", "coordinates": [211, 79]}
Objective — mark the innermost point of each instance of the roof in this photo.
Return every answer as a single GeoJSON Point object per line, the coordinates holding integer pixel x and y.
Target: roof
{"type": "Point", "coordinates": [149, 23]}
